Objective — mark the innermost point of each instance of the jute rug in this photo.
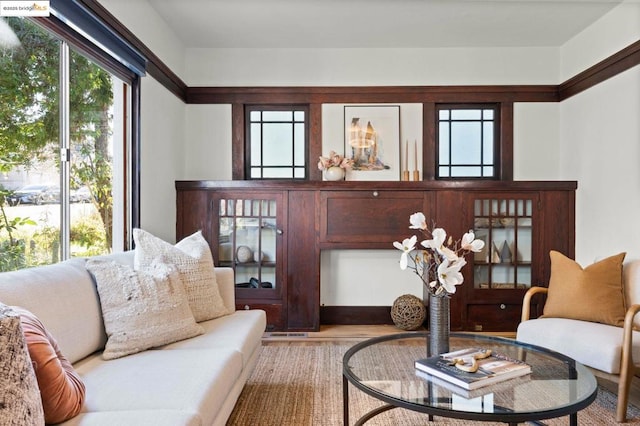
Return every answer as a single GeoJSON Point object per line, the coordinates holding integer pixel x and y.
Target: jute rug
{"type": "Point", "coordinates": [300, 384]}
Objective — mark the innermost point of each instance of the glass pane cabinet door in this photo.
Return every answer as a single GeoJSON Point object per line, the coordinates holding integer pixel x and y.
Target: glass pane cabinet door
{"type": "Point", "coordinates": [505, 225]}
{"type": "Point", "coordinates": [248, 242]}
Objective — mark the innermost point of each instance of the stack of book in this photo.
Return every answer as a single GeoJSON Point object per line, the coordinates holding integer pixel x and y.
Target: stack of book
{"type": "Point", "coordinates": [492, 369]}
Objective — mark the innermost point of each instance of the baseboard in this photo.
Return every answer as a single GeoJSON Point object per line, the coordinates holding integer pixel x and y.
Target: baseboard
{"type": "Point", "coordinates": [355, 315]}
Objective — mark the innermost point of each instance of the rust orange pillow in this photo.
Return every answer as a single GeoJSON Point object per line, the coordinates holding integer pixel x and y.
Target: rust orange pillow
{"type": "Point", "coordinates": [61, 389]}
{"type": "Point", "coordinates": [593, 293]}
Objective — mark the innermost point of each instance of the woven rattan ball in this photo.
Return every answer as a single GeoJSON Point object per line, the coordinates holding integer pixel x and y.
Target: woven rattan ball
{"type": "Point", "coordinates": [408, 312]}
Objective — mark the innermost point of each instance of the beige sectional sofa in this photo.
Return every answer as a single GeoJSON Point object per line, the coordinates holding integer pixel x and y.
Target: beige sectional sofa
{"type": "Point", "coordinates": [190, 382]}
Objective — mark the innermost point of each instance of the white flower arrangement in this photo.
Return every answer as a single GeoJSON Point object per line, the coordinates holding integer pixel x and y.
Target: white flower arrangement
{"type": "Point", "coordinates": [334, 160]}
{"type": "Point", "coordinates": [439, 263]}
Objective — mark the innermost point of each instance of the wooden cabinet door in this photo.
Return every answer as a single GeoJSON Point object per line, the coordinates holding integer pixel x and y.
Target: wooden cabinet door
{"type": "Point", "coordinates": [248, 229]}
{"type": "Point", "coordinates": [369, 219]}
{"type": "Point", "coordinates": [509, 264]}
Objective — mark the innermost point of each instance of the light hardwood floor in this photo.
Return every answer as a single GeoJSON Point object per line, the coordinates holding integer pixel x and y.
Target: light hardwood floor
{"type": "Point", "coordinates": [359, 332]}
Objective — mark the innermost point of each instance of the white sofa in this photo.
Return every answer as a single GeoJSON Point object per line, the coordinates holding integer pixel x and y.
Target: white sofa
{"type": "Point", "coordinates": [612, 352]}
{"type": "Point", "coordinates": [191, 382]}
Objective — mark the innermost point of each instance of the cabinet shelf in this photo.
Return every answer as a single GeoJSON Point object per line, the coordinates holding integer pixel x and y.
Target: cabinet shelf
{"type": "Point", "coordinates": [503, 286]}
{"type": "Point", "coordinates": [246, 264]}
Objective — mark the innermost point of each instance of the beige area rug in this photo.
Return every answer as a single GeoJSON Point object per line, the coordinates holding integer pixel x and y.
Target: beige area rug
{"type": "Point", "coordinates": [300, 383]}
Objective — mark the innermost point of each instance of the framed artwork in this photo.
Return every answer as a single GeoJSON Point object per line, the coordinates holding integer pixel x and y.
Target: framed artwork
{"type": "Point", "coordinates": [372, 140]}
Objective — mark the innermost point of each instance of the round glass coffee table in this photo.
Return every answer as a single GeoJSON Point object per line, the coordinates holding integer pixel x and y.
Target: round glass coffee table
{"type": "Point", "coordinates": [383, 367]}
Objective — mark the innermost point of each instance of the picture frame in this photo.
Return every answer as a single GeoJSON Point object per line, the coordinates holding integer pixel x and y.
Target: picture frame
{"type": "Point", "coordinates": [372, 141]}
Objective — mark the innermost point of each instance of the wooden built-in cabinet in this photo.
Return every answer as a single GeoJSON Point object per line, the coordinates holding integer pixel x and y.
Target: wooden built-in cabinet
{"type": "Point", "coordinates": [272, 233]}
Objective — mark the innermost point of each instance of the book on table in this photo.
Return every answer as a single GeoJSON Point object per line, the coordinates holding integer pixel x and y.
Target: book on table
{"type": "Point", "coordinates": [492, 369]}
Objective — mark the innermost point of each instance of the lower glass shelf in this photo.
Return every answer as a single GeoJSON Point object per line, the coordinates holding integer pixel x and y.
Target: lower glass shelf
{"type": "Point", "coordinates": [502, 286]}
{"type": "Point", "coordinates": [229, 264]}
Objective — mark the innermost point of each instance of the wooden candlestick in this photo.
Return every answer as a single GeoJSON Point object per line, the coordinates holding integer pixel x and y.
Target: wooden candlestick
{"type": "Point", "coordinates": [405, 172]}
{"type": "Point", "coordinates": [416, 173]}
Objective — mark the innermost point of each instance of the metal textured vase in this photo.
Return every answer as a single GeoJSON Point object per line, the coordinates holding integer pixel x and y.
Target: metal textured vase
{"type": "Point", "coordinates": [438, 342]}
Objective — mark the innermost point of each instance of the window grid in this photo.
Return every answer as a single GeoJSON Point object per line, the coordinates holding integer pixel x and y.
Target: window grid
{"type": "Point", "coordinates": [289, 168]}
{"type": "Point", "coordinates": [486, 167]}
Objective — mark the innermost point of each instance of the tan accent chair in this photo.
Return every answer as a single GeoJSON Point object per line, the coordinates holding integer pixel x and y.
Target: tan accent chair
{"type": "Point", "coordinates": [607, 350]}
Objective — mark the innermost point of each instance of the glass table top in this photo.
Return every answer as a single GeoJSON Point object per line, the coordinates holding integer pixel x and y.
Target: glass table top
{"type": "Point", "coordinates": [384, 368]}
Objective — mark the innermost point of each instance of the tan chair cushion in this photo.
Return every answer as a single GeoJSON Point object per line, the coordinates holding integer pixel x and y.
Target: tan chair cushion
{"type": "Point", "coordinates": [593, 293]}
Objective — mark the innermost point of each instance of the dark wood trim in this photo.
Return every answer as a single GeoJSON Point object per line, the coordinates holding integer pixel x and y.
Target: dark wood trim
{"type": "Point", "coordinates": [237, 141]}
{"type": "Point", "coordinates": [371, 94]}
{"type": "Point", "coordinates": [506, 141]}
{"type": "Point", "coordinates": [166, 77]}
{"type": "Point", "coordinates": [155, 67]}
{"type": "Point", "coordinates": [315, 141]}
{"type": "Point", "coordinates": [429, 147]}
{"type": "Point", "coordinates": [355, 315]}
{"type": "Point", "coordinates": [300, 185]}
{"type": "Point", "coordinates": [603, 70]}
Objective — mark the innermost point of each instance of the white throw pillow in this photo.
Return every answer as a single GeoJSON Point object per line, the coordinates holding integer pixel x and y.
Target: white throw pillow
{"type": "Point", "coordinates": [193, 260]}
{"type": "Point", "coordinates": [141, 309]}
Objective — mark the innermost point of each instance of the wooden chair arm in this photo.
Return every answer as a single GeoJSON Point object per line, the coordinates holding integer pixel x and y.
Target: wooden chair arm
{"type": "Point", "coordinates": [526, 302]}
{"type": "Point", "coordinates": [627, 340]}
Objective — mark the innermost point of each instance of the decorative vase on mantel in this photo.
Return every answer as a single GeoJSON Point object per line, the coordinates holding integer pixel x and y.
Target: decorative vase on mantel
{"type": "Point", "coordinates": [334, 173]}
{"type": "Point", "coordinates": [439, 325]}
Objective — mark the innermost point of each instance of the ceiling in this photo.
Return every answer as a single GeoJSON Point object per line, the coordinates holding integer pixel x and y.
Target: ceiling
{"type": "Point", "coordinates": [378, 23]}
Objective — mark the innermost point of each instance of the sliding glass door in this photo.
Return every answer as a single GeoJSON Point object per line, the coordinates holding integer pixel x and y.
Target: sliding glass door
{"type": "Point", "coordinates": [64, 144]}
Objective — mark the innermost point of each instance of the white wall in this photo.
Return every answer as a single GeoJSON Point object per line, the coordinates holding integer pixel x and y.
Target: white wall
{"type": "Point", "coordinates": [536, 135]}
{"type": "Point", "coordinates": [162, 158]}
{"type": "Point", "coordinates": [614, 31]}
{"type": "Point", "coordinates": [601, 150]}
{"type": "Point", "coordinates": [600, 134]}
{"type": "Point", "coordinates": [370, 67]}
{"type": "Point", "coordinates": [208, 142]}
{"type": "Point", "coordinates": [162, 119]}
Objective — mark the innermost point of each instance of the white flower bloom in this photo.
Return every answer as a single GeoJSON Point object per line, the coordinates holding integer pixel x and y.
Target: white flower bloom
{"type": "Point", "coordinates": [418, 221]}
{"type": "Point", "coordinates": [448, 254]}
{"type": "Point", "coordinates": [450, 276]}
{"type": "Point", "coordinates": [470, 243]}
{"type": "Point", "coordinates": [407, 246]}
{"type": "Point", "coordinates": [439, 236]}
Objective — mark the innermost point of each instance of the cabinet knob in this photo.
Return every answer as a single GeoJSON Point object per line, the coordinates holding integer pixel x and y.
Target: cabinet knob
{"type": "Point", "coordinates": [375, 193]}
{"type": "Point", "coordinates": [246, 307]}
{"type": "Point", "coordinates": [503, 306]}
{"type": "Point", "coordinates": [279, 231]}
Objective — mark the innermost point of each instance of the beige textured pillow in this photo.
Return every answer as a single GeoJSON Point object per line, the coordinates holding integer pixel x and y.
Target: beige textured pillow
{"type": "Point", "coordinates": [594, 293]}
{"type": "Point", "coordinates": [141, 310]}
{"type": "Point", "coordinates": [192, 258]}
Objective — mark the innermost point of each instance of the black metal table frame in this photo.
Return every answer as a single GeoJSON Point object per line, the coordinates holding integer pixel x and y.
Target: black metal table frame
{"type": "Point", "coordinates": [504, 417]}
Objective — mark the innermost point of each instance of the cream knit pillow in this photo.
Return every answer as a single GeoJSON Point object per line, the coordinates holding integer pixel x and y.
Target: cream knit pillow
{"type": "Point", "coordinates": [141, 309]}
{"type": "Point", "coordinates": [192, 258]}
